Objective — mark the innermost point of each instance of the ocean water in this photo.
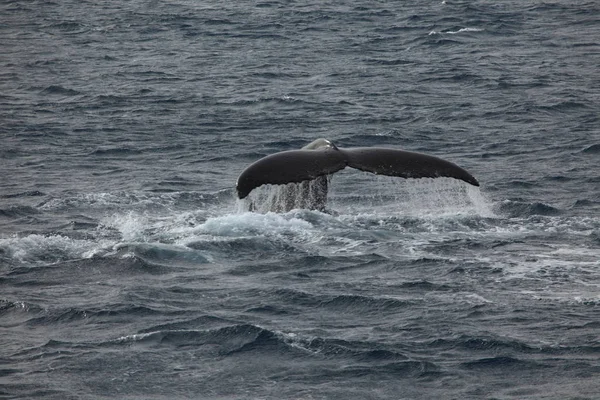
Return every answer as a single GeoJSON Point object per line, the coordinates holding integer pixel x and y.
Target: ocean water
{"type": "Point", "coordinates": [129, 270]}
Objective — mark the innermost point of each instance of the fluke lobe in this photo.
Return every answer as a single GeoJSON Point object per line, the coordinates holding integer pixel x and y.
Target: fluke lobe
{"type": "Point", "coordinates": [314, 162]}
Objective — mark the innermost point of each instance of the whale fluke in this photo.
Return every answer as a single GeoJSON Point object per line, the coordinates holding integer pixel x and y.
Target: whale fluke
{"type": "Point", "coordinates": [404, 164]}
{"type": "Point", "coordinates": [322, 157]}
{"type": "Point", "coordinates": [291, 166]}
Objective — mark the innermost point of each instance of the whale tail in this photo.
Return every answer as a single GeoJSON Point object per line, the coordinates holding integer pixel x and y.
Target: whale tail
{"type": "Point", "coordinates": [321, 158]}
{"type": "Point", "coordinates": [404, 164]}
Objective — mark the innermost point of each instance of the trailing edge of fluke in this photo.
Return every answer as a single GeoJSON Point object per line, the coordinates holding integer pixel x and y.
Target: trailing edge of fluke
{"type": "Point", "coordinates": [322, 157]}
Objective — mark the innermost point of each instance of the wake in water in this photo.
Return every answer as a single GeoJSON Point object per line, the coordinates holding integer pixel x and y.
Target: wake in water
{"type": "Point", "coordinates": [387, 209]}
{"type": "Point", "coordinates": [115, 220]}
{"type": "Point", "coordinates": [390, 218]}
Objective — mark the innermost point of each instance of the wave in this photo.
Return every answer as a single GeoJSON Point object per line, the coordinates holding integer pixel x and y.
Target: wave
{"type": "Point", "coordinates": [585, 203]}
{"type": "Point", "coordinates": [266, 101]}
{"type": "Point", "coordinates": [248, 338]}
{"type": "Point", "coordinates": [26, 194]}
{"type": "Point", "coordinates": [243, 250]}
{"type": "Point", "coordinates": [109, 311]}
{"type": "Point", "coordinates": [508, 350]}
{"type": "Point", "coordinates": [68, 27]}
{"type": "Point", "coordinates": [593, 149]}
{"type": "Point", "coordinates": [252, 223]}
{"type": "Point", "coordinates": [389, 62]}
{"type": "Point", "coordinates": [47, 249]}
{"type": "Point", "coordinates": [60, 90]}
{"type": "Point", "coordinates": [461, 30]}
{"type": "Point", "coordinates": [198, 323]}
{"type": "Point", "coordinates": [14, 313]}
{"type": "Point", "coordinates": [339, 302]}
{"type": "Point", "coordinates": [157, 240]}
{"type": "Point", "coordinates": [504, 363]}
{"type": "Point", "coordinates": [18, 211]}
{"type": "Point", "coordinates": [515, 208]}
{"type": "Point", "coordinates": [159, 255]}
{"type": "Point", "coordinates": [115, 151]}
{"type": "Point", "coordinates": [227, 340]}
{"type": "Point", "coordinates": [218, 337]}
{"type": "Point", "coordinates": [565, 106]}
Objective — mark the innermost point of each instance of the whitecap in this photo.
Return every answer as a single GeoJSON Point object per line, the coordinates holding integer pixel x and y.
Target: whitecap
{"type": "Point", "coordinates": [462, 30]}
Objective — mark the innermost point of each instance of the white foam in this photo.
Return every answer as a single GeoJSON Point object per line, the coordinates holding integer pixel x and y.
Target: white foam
{"type": "Point", "coordinates": [48, 248]}
{"type": "Point", "coordinates": [462, 30]}
{"type": "Point", "coordinates": [248, 222]}
{"type": "Point", "coordinates": [131, 225]}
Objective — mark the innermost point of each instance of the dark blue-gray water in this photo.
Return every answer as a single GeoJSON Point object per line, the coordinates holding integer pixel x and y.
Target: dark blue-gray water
{"type": "Point", "coordinates": [129, 270]}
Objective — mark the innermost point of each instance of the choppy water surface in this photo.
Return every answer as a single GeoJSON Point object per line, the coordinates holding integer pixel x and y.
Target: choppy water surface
{"type": "Point", "coordinates": [129, 270]}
